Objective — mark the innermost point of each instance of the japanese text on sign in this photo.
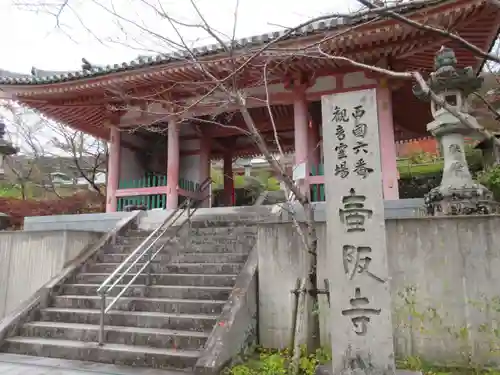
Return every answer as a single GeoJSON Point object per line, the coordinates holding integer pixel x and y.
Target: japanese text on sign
{"type": "Point", "coordinates": [360, 313]}
{"type": "Point", "coordinates": [359, 129]}
{"type": "Point", "coordinates": [357, 259]}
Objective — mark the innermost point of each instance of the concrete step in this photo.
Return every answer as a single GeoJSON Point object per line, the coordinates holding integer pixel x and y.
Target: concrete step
{"type": "Point", "coordinates": [242, 219]}
{"type": "Point", "coordinates": [163, 279]}
{"type": "Point", "coordinates": [102, 267]}
{"type": "Point", "coordinates": [109, 353]}
{"type": "Point", "coordinates": [165, 305]}
{"type": "Point", "coordinates": [210, 231]}
{"type": "Point", "coordinates": [128, 247]}
{"type": "Point", "coordinates": [146, 319]}
{"type": "Point", "coordinates": [224, 248]}
{"type": "Point", "coordinates": [192, 246]}
{"type": "Point", "coordinates": [118, 249]}
{"type": "Point", "coordinates": [137, 233]}
{"type": "Point", "coordinates": [201, 268]}
{"type": "Point", "coordinates": [155, 291]}
{"type": "Point", "coordinates": [120, 257]}
{"type": "Point", "coordinates": [201, 230]}
{"type": "Point", "coordinates": [187, 257]}
{"type": "Point", "coordinates": [221, 238]}
{"type": "Point", "coordinates": [232, 268]}
{"type": "Point", "coordinates": [194, 234]}
{"type": "Point", "coordinates": [152, 337]}
{"type": "Point", "coordinates": [130, 240]}
{"type": "Point", "coordinates": [204, 257]}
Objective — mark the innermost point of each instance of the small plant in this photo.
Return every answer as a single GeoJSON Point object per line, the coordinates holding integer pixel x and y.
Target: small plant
{"type": "Point", "coordinates": [491, 179]}
{"type": "Point", "coordinates": [411, 363]}
{"type": "Point", "coordinates": [474, 158]}
{"type": "Point", "coordinates": [271, 362]}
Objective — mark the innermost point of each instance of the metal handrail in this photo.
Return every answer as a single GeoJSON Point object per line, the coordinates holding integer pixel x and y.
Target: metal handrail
{"type": "Point", "coordinates": [105, 288]}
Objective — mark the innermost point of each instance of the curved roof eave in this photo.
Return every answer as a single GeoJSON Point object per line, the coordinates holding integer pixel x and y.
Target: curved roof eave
{"type": "Point", "coordinates": [40, 77]}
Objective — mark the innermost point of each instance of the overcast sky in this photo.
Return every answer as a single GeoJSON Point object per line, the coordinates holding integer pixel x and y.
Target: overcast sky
{"type": "Point", "coordinates": [32, 36]}
{"type": "Point", "coordinates": [89, 30]}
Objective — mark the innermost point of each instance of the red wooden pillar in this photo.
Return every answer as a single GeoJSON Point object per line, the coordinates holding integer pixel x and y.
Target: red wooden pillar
{"type": "Point", "coordinates": [388, 152]}
{"type": "Point", "coordinates": [228, 193]}
{"type": "Point", "coordinates": [301, 130]}
{"type": "Point", "coordinates": [113, 169]}
{"type": "Point", "coordinates": [298, 86]}
{"type": "Point", "coordinates": [173, 165]}
{"type": "Point", "coordinates": [313, 148]}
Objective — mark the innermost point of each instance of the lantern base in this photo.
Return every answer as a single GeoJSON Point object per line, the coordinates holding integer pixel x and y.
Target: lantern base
{"type": "Point", "coordinates": [467, 200]}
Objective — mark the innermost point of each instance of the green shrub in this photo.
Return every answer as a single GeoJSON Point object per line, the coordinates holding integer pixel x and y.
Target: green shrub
{"type": "Point", "coordinates": [491, 179]}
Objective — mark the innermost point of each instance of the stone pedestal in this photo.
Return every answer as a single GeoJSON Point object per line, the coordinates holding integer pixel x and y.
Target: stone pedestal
{"type": "Point", "coordinates": [361, 328]}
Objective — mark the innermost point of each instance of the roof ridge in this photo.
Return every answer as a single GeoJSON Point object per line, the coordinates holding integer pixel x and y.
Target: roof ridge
{"type": "Point", "coordinates": [90, 70]}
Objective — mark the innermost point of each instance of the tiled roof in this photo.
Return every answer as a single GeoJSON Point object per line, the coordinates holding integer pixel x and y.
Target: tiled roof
{"type": "Point", "coordinates": [41, 77]}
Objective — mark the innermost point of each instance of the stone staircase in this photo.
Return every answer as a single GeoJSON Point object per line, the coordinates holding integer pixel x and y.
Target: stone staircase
{"type": "Point", "coordinates": [164, 325]}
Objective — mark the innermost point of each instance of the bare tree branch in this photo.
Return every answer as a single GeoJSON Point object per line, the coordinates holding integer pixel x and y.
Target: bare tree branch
{"type": "Point", "coordinates": [417, 77]}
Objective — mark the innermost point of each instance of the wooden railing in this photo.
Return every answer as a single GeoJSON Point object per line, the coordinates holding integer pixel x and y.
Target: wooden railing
{"type": "Point", "coordinates": [151, 191]}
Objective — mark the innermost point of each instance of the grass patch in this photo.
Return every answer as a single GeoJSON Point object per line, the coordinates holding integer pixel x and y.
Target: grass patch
{"type": "Point", "coordinates": [10, 191]}
{"type": "Point", "coordinates": [274, 362]}
{"type": "Point", "coordinates": [417, 364]}
{"type": "Point", "coordinates": [411, 170]}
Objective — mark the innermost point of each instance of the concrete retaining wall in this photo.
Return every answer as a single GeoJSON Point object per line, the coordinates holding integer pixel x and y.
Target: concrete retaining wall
{"type": "Point", "coordinates": [30, 259]}
{"type": "Point", "coordinates": [236, 330]}
{"type": "Point", "coordinates": [396, 209]}
{"type": "Point", "coordinates": [281, 262]}
{"type": "Point", "coordinates": [149, 220]}
{"type": "Point", "coordinates": [445, 286]}
{"type": "Point", "coordinates": [103, 222]}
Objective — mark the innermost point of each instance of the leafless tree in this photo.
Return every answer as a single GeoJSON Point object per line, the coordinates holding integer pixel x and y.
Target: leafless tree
{"type": "Point", "coordinates": [24, 168]}
{"type": "Point", "coordinates": [88, 154]}
{"type": "Point", "coordinates": [46, 147]}
{"type": "Point", "coordinates": [223, 88]}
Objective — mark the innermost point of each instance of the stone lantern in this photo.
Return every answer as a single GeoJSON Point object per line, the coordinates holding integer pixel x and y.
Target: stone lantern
{"type": "Point", "coordinates": [458, 193]}
{"type": "Point", "coordinates": [6, 148]}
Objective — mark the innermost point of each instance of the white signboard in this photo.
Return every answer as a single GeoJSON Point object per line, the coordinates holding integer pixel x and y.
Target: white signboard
{"type": "Point", "coordinates": [361, 326]}
{"type": "Point", "coordinates": [299, 171]}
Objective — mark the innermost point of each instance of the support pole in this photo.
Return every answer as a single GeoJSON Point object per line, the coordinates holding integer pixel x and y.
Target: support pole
{"type": "Point", "coordinates": [101, 319]}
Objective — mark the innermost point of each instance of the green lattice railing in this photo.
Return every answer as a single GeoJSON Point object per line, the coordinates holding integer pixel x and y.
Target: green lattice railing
{"type": "Point", "coordinates": [151, 201]}
{"type": "Point", "coordinates": [317, 190]}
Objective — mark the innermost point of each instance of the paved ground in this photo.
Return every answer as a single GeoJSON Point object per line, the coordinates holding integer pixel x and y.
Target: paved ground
{"type": "Point", "coordinates": [12, 364]}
